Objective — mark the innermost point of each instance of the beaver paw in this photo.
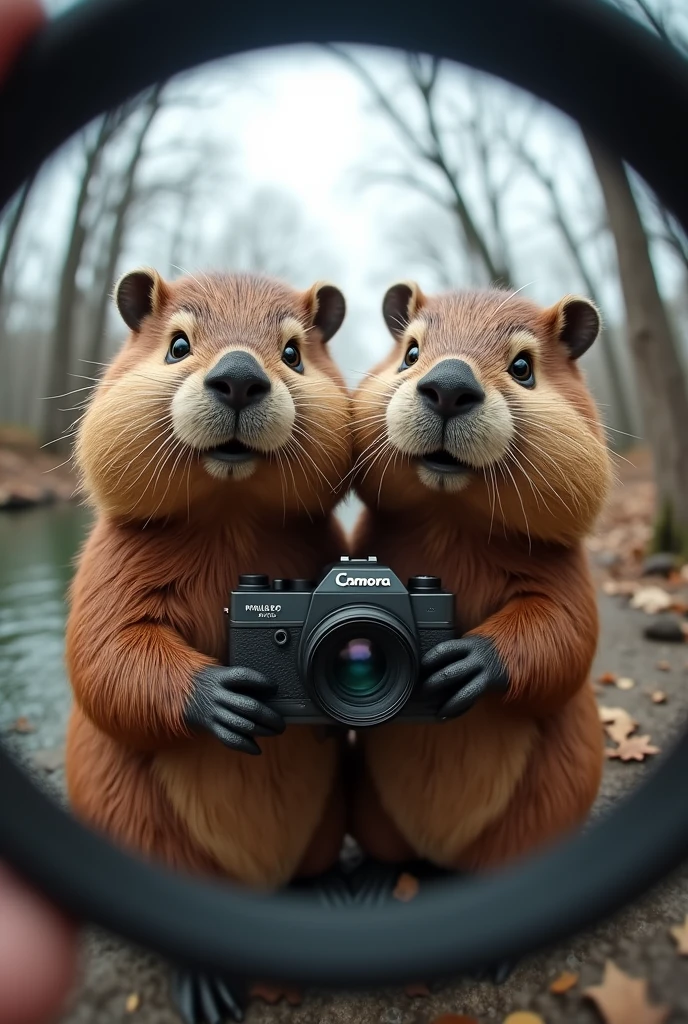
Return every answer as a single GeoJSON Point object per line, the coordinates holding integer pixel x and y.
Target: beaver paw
{"type": "Point", "coordinates": [497, 973]}
{"type": "Point", "coordinates": [206, 999]}
{"type": "Point", "coordinates": [226, 702]}
{"type": "Point", "coordinates": [331, 889]}
{"type": "Point", "coordinates": [463, 670]}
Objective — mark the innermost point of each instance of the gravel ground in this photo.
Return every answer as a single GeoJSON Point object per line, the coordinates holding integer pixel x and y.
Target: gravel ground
{"type": "Point", "coordinates": [638, 940]}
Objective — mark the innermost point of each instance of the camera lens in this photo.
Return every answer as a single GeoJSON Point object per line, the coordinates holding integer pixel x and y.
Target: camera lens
{"type": "Point", "coordinates": [360, 668]}
{"type": "Point", "coordinates": [360, 665]}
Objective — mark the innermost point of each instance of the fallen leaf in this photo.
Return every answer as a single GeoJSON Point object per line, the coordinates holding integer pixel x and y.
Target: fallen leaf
{"type": "Point", "coordinates": [634, 748]}
{"type": "Point", "coordinates": [406, 888]}
{"type": "Point", "coordinates": [523, 1017]}
{"type": "Point", "coordinates": [651, 600]}
{"type": "Point", "coordinates": [680, 607]}
{"type": "Point", "coordinates": [623, 1000]}
{"type": "Point", "coordinates": [133, 1002]}
{"type": "Point", "coordinates": [680, 934]}
{"type": "Point", "coordinates": [658, 697]}
{"type": "Point", "coordinates": [453, 1018]}
{"type": "Point", "coordinates": [618, 724]}
{"type": "Point", "coordinates": [563, 983]}
{"type": "Point", "coordinates": [49, 760]}
{"type": "Point", "coordinates": [416, 988]}
{"type": "Point", "coordinates": [664, 666]}
{"type": "Point", "coordinates": [607, 679]}
{"type": "Point", "coordinates": [23, 725]}
{"type": "Point", "coordinates": [272, 994]}
{"type": "Point", "coordinates": [624, 683]}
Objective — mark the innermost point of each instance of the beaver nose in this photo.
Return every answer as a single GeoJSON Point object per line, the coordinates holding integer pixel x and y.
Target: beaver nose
{"type": "Point", "coordinates": [450, 388]}
{"type": "Point", "coordinates": [238, 380]}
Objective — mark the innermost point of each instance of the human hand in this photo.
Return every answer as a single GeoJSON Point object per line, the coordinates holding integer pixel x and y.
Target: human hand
{"type": "Point", "coordinates": [37, 955]}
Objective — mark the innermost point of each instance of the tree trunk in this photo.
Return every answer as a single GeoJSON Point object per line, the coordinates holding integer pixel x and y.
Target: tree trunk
{"type": "Point", "coordinates": [661, 383]}
{"type": "Point", "coordinates": [56, 420]}
{"type": "Point", "coordinates": [97, 348]}
{"type": "Point", "coordinates": [13, 222]}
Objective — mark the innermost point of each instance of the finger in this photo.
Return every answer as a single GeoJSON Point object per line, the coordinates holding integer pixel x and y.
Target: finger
{"type": "Point", "coordinates": [235, 741]}
{"type": "Point", "coordinates": [237, 723]}
{"type": "Point", "coordinates": [19, 19]}
{"type": "Point", "coordinates": [247, 680]}
{"type": "Point", "coordinates": [37, 955]}
{"type": "Point", "coordinates": [462, 701]}
{"type": "Point", "coordinates": [452, 677]}
{"type": "Point", "coordinates": [253, 710]}
{"type": "Point", "coordinates": [445, 653]}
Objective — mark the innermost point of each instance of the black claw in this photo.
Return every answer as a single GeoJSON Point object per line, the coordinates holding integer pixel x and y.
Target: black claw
{"type": "Point", "coordinates": [496, 973]}
{"type": "Point", "coordinates": [204, 999]}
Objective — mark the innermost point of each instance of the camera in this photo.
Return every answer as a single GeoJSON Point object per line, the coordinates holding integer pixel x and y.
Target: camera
{"type": "Point", "coordinates": [346, 649]}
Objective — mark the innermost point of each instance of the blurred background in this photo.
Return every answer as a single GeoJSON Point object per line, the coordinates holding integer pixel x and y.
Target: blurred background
{"type": "Point", "coordinates": [362, 166]}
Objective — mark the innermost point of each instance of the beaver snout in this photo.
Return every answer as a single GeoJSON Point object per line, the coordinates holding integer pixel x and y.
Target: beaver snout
{"type": "Point", "coordinates": [451, 389]}
{"type": "Point", "coordinates": [238, 381]}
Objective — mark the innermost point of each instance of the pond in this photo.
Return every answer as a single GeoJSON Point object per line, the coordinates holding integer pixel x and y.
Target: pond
{"type": "Point", "coordinates": [38, 548]}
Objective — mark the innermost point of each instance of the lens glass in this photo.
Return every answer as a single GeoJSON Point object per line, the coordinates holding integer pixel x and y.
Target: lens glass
{"type": "Point", "coordinates": [360, 669]}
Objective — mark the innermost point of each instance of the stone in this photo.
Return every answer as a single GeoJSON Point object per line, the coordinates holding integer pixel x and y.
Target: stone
{"type": "Point", "coordinates": [666, 628]}
{"type": "Point", "coordinates": [661, 564]}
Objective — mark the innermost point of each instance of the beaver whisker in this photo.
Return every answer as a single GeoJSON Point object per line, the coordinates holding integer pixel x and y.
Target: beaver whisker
{"type": "Point", "coordinates": [304, 433]}
{"type": "Point", "coordinates": [147, 426]}
{"type": "Point", "coordinates": [523, 508]}
{"type": "Point", "coordinates": [182, 449]}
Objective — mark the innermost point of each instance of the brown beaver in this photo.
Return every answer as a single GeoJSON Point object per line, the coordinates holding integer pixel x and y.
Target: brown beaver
{"type": "Point", "coordinates": [481, 459]}
{"type": "Point", "coordinates": [215, 445]}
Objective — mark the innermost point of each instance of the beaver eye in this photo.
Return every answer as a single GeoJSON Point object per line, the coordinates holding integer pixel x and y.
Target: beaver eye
{"type": "Point", "coordinates": [180, 348]}
{"type": "Point", "coordinates": [292, 357]}
{"type": "Point", "coordinates": [522, 370]}
{"type": "Point", "coordinates": [412, 356]}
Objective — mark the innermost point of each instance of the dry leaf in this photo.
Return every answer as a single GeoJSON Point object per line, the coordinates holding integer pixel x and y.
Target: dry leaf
{"type": "Point", "coordinates": [664, 666]}
{"type": "Point", "coordinates": [23, 725]}
{"type": "Point", "coordinates": [416, 988]}
{"type": "Point", "coordinates": [680, 934]}
{"type": "Point", "coordinates": [133, 1002]}
{"type": "Point", "coordinates": [624, 683]}
{"type": "Point", "coordinates": [563, 983]}
{"type": "Point", "coordinates": [635, 748]}
{"type": "Point", "coordinates": [652, 600]}
{"type": "Point", "coordinates": [523, 1017]}
{"type": "Point", "coordinates": [272, 994]}
{"type": "Point", "coordinates": [453, 1018]}
{"type": "Point", "coordinates": [607, 679]}
{"type": "Point", "coordinates": [623, 1000]}
{"type": "Point", "coordinates": [618, 724]}
{"type": "Point", "coordinates": [658, 697]}
{"type": "Point", "coordinates": [406, 888]}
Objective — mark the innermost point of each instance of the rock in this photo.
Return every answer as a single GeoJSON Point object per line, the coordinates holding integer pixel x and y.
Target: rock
{"type": "Point", "coordinates": [661, 564]}
{"type": "Point", "coordinates": [607, 559]}
{"type": "Point", "coordinates": [666, 628]}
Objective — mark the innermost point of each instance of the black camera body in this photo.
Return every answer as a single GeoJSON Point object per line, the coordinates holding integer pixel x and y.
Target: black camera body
{"type": "Point", "coordinates": [345, 650]}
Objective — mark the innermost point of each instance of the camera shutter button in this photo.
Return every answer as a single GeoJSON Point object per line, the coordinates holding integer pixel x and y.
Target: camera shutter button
{"type": "Point", "coordinates": [424, 584]}
{"type": "Point", "coordinates": [302, 585]}
{"type": "Point", "coordinates": [254, 581]}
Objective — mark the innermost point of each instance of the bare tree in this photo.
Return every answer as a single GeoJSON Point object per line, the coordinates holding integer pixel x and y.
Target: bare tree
{"type": "Point", "coordinates": [56, 420]}
{"type": "Point", "coordinates": [12, 220]}
{"type": "Point", "coordinates": [660, 376]}
{"type": "Point", "coordinates": [426, 143]}
{"type": "Point", "coordinates": [151, 108]}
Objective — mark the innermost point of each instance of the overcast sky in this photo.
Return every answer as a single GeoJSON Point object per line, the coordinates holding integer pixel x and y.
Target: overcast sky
{"type": "Point", "coordinates": [296, 118]}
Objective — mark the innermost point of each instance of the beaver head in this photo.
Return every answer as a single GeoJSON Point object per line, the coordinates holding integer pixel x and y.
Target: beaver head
{"type": "Point", "coordinates": [480, 411]}
{"type": "Point", "coordinates": [224, 388]}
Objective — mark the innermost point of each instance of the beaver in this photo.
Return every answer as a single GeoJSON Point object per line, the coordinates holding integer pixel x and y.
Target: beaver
{"type": "Point", "coordinates": [481, 459]}
{"type": "Point", "coordinates": [214, 445]}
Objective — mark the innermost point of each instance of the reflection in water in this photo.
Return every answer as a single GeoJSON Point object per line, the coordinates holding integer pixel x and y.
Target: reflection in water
{"type": "Point", "coordinates": [37, 552]}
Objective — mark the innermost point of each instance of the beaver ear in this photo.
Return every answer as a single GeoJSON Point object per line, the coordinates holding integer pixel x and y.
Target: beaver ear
{"type": "Point", "coordinates": [326, 308]}
{"type": "Point", "coordinates": [137, 295]}
{"type": "Point", "coordinates": [400, 304]}
{"type": "Point", "coordinates": [577, 324]}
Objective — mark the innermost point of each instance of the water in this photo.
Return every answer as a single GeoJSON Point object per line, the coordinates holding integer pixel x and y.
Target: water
{"type": "Point", "coordinates": [37, 552]}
